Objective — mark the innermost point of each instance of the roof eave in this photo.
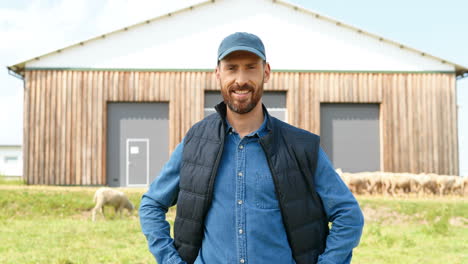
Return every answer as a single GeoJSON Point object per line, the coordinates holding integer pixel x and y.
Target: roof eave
{"type": "Point", "coordinates": [16, 70]}
{"type": "Point", "coordinates": [461, 73]}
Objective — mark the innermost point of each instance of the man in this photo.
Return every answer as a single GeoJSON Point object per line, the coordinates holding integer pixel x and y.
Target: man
{"type": "Point", "coordinates": [248, 187]}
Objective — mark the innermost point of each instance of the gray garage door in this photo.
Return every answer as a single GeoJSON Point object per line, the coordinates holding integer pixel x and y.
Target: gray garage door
{"type": "Point", "coordinates": [137, 142]}
{"type": "Point", "coordinates": [274, 101]}
{"type": "Point", "coordinates": [350, 136]}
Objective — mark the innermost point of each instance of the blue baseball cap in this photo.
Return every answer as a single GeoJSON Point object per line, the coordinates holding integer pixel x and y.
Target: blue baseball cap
{"type": "Point", "coordinates": [241, 41]}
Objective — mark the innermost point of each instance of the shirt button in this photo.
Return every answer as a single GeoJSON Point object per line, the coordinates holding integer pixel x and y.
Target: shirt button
{"type": "Point", "coordinates": [240, 174]}
{"type": "Point", "coordinates": [241, 146]}
{"type": "Point", "coordinates": [239, 202]}
{"type": "Point", "coordinates": [241, 231]}
{"type": "Point", "coordinates": [242, 261]}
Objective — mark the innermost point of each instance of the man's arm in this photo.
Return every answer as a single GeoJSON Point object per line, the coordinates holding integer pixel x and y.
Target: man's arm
{"type": "Point", "coordinates": [342, 210]}
{"type": "Point", "coordinates": [155, 203]}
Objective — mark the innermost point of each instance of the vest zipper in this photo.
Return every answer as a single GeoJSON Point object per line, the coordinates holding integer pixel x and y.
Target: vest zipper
{"type": "Point", "coordinates": [213, 175]}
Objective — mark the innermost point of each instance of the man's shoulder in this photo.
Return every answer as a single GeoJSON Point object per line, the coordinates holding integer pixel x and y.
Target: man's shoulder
{"type": "Point", "coordinates": [210, 120]}
{"type": "Point", "coordinates": [211, 123]}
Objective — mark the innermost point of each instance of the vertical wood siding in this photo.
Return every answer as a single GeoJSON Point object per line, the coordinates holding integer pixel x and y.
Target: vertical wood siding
{"type": "Point", "coordinates": [65, 115]}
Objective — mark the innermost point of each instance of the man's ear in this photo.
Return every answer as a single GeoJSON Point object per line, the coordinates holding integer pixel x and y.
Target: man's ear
{"type": "Point", "coordinates": [267, 72]}
{"type": "Point", "coordinates": [217, 72]}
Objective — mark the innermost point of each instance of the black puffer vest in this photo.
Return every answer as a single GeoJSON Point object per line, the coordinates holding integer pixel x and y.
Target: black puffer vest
{"type": "Point", "coordinates": [292, 158]}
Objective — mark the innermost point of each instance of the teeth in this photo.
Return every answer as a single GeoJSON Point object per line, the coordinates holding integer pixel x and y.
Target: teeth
{"type": "Point", "coordinates": [241, 92]}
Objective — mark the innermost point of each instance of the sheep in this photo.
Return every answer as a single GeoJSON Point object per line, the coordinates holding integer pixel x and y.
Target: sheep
{"type": "Point", "coordinates": [457, 188]}
{"type": "Point", "coordinates": [406, 183]}
{"type": "Point", "coordinates": [429, 183]}
{"type": "Point", "coordinates": [356, 182]}
{"type": "Point", "coordinates": [387, 183]}
{"type": "Point", "coordinates": [107, 196]}
{"type": "Point", "coordinates": [465, 186]}
{"type": "Point", "coordinates": [383, 183]}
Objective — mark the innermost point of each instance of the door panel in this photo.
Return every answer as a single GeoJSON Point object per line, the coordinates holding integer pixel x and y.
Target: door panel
{"type": "Point", "coordinates": [137, 162]}
{"type": "Point", "coordinates": [350, 136]}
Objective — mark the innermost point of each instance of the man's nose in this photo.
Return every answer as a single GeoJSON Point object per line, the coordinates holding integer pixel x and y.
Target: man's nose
{"type": "Point", "coordinates": [242, 78]}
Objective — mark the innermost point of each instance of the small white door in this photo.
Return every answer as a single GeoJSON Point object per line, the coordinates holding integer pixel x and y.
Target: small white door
{"type": "Point", "coordinates": [137, 162]}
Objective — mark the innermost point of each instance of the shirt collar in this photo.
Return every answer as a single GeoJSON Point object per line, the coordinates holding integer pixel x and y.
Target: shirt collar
{"type": "Point", "coordinates": [260, 132]}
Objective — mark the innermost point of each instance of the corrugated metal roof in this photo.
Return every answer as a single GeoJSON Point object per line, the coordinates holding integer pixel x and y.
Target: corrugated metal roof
{"type": "Point", "coordinates": [460, 70]}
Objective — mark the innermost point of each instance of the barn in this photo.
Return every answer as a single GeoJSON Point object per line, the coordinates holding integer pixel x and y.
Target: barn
{"type": "Point", "coordinates": [109, 110]}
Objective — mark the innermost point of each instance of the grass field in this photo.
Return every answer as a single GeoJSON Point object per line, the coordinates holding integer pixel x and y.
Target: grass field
{"type": "Point", "coordinates": [43, 224]}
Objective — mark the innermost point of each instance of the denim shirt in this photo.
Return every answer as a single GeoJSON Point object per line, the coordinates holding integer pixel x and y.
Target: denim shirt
{"type": "Point", "coordinates": [244, 223]}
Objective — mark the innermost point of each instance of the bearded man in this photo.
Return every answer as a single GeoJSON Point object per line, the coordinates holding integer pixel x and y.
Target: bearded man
{"type": "Point", "coordinates": [249, 188]}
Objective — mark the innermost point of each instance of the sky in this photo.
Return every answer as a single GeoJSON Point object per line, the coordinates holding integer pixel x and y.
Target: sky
{"type": "Point", "coordinates": [29, 28]}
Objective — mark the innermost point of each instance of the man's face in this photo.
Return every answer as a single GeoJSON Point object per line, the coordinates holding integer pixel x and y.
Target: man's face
{"type": "Point", "coordinates": [241, 75]}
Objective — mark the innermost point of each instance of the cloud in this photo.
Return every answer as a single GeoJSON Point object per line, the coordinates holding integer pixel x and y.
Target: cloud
{"type": "Point", "coordinates": [40, 27]}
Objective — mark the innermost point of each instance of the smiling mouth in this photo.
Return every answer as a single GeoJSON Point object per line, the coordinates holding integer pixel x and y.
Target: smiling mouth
{"type": "Point", "coordinates": [241, 91]}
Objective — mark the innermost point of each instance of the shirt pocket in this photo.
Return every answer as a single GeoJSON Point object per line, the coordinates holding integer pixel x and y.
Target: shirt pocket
{"type": "Point", "coordinates": [265, 197]}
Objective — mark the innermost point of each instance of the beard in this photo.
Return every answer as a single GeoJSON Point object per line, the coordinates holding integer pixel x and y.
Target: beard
{"type": "Point", "coordinates": [244, 106]}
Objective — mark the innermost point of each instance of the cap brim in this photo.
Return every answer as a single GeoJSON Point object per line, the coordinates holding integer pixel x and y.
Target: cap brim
{"type": "Point", "coordinates": [244, 48]}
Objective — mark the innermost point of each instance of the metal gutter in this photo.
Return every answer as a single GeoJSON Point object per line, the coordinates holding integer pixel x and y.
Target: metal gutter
{"type": "Point", "coordinates": [14, 73]}
{"type": "Point", "coordinates": [212, 69]}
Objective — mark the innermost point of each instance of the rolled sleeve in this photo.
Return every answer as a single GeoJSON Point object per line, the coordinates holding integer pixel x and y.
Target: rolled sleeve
{"type": "Point", "coordinates": [155, 203]}
{"type": "Point", "coordinates": [342, 210]}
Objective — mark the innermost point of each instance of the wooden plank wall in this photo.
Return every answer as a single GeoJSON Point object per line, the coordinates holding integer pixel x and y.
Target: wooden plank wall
{"type": "Point", "coordinates": [65, 115]}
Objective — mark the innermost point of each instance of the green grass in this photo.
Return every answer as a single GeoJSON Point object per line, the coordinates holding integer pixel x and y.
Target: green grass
{"type": "Point", "coordinates": [5, 181]}
{"type": "Point", "coordinates": [52, 225]}
{"type": "Point", "coordinates": [40, 224]}
{"type": "Point", "coordinates": [72, 241]}
{"type": "Point", "coordinates": [415, 231]}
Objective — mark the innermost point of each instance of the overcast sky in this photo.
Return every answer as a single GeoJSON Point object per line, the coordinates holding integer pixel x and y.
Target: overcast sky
{"type": "Point", "coordinates": [29, 28]}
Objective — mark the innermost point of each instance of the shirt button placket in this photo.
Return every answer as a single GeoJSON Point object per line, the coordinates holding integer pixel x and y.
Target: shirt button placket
{"type": "Point", "coordinates": [240, 201]}
{"type": "Point", "coordinates": [240, 209]}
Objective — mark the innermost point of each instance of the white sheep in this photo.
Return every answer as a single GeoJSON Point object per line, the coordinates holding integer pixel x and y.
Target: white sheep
{"type": "Point", "coordinates": [357, 183]}
{"type": "Point", "coordinates": [107, 196]}
{"type": "Point", "coordinates": [387, 183]}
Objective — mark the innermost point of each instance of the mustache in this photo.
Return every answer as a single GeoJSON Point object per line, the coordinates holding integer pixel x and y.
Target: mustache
{"type": "Point", "coordinates": [243, 87]}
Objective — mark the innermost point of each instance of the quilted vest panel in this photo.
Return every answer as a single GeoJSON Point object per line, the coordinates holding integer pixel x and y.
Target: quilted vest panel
{"type": "Point", "coordinates": [292, 157]}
